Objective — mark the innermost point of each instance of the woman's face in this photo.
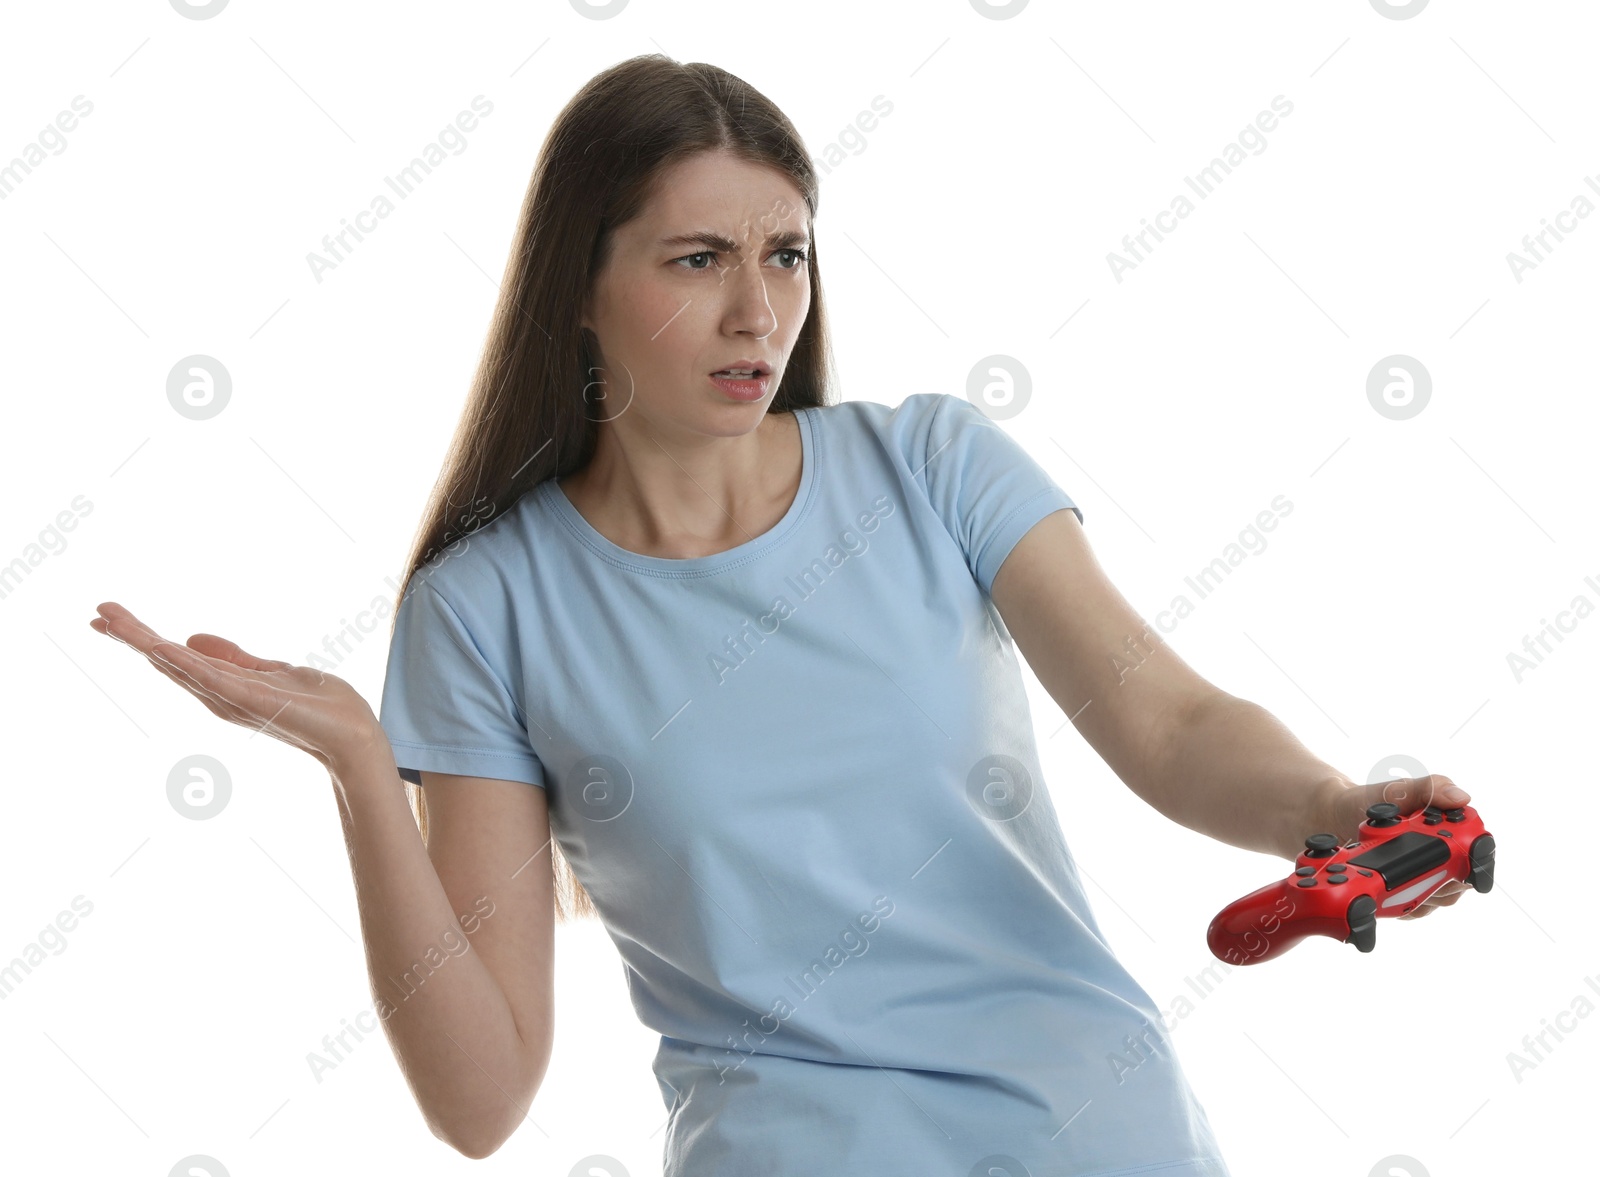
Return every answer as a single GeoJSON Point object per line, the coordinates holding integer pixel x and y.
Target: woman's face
{"type": "Point", "coordinates": [713, 273]}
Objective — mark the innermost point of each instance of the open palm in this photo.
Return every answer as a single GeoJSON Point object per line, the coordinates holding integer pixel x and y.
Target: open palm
{"type": "Point", "coordinates": [304, 707]}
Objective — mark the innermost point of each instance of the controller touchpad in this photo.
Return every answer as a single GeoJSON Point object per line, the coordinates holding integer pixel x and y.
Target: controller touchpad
{"type": "Point", "coordinates": [1404, 857]}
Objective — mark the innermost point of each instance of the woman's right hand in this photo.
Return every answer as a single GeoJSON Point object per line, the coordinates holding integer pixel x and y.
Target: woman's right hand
{"type": "Point", "coordinates": [305, 708]}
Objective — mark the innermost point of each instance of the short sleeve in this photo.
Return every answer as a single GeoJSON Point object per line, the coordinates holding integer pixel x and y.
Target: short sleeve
{"type": "Point", "coordinates": [444, 708]}
{"type": "Point", "coordinates": [986, 488]}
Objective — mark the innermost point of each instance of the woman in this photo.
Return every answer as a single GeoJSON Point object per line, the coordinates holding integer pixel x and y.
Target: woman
{"type": "Point", "coordinates": [747, 654]}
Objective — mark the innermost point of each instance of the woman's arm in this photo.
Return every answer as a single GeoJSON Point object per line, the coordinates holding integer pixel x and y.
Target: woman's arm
{"type": "Point", "coordinates": [1234, 772]}
{"type": "Point", "coordinates": [1217, 764]}
{"type": "Point", "coordinates": [459, 937]}
{"type": "Point", "coordinates": [473, 1047]}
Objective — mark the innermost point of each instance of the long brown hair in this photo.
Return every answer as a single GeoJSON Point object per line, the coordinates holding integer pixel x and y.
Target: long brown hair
{"type": "Point", "coordinates": [525, 419]}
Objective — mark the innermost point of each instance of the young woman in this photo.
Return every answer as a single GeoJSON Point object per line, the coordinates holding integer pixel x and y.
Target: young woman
{"type": "Point", "coordinates": [747, 654]}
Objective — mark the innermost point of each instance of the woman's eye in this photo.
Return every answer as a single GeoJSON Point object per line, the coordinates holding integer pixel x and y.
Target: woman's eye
{"type": "Point", "coordinates": [800, 257]}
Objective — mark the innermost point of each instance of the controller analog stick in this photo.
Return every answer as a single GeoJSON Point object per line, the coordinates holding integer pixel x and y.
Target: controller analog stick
{"type": "Point", "coordinates": [1382, 814]}
{"type": "Point", "coordinates": [1321, 846]}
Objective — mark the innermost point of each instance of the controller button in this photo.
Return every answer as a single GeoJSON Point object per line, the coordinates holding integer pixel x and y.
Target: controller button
{"type": "Point", "coordinates": [1455, 815]}
{"type": "Point", "coordinates": [1312, 882]}
{"type": "Point", "coordinates": [1433, 819]}
{"type": "Point", "coordinates": [1305, 870]}
{"type": "Point", "coordinates": [1481, 875]}
{"type": "Point", "coordinates": [1334, 880]}
{"type": "Point", "coordinates": [1335, 867]}
{"type": "Point", "coordinates": [1321, 846]}
{"type": "Point", "coordinates": [1383, 814]}
{"type": "Point", "coordinates": [1366, 873]}
{"type": "Point", "coordinates": [1362, 916]}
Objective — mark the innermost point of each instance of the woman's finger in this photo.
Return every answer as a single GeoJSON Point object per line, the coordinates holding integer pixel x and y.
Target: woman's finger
{"type": "Point", "coordinates": [248, 700]}
{"type": "Point", "coordinates": [220, 705]}
{"type": "Point", "coordinates": [124, 627]}
{"type": "Point", "coordinates": [127, 628]}
{"type": "Point", "coordinates": [101, 625]}
{"type": "Point", "coordinates": [230, 691]}
{"type": "Point", "coordinates": [218, 676]}
{"type": "Point", "coordinates": [220, 647]}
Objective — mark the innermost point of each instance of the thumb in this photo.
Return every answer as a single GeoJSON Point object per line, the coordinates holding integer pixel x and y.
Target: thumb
{"type": "Point", "coordinates": [219, 647]}
{"type": "Point", "coordinates": [1412, 793]}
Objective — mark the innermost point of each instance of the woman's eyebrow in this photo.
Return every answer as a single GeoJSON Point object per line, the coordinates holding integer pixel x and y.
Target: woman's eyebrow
{"type": "Point", "coordinates": [723, 244]}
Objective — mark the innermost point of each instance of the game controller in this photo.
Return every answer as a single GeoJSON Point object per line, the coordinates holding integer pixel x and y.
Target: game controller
{"type": "Point", "coordinates": [1342, 891]}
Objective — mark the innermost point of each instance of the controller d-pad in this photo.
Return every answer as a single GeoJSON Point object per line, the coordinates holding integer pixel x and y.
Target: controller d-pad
{"type": "Point", "coordinates": [1455, 815]}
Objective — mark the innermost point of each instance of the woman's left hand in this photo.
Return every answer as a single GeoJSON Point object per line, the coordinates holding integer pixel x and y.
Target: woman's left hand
{"type": "Point", "coordinates": [1344, 811]}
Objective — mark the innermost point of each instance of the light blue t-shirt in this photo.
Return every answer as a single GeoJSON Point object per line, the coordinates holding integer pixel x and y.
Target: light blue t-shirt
{"type": "Point", "coordinates": [798, 779]}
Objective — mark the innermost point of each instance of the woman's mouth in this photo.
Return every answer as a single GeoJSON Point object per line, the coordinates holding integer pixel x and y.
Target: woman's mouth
{"type": "Point", "coordinates": [744, 385]}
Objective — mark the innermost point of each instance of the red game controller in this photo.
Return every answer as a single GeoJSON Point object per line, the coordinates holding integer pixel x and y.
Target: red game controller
{"type": "Point", "coordinates": [1341, 891]}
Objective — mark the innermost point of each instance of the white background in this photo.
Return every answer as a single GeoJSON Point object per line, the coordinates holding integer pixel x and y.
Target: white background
{"type": "Point", "coordinates": [1229, 367]}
